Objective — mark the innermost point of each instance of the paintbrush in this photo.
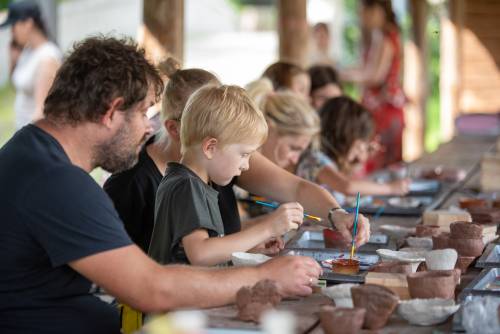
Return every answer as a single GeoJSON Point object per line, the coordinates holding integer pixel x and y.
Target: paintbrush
{"type": "Point", "coordinates": [355, 227]}
{"type": "Point", "coordinates": [271, 205]}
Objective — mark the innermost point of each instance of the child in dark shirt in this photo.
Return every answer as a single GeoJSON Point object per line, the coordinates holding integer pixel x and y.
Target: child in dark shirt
{"type": "Point", "coordinates": [220, 128]}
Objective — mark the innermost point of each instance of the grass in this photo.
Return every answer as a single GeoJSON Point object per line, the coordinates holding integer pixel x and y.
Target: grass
{"type": "Point", "coordinates": [7, 126]}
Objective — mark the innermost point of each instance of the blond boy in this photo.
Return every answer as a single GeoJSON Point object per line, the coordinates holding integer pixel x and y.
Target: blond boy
{"type": "Point", "coordinates": [220, 128]}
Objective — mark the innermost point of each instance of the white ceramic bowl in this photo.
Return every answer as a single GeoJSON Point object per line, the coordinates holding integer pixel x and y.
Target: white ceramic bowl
{"type": "Point", "coordinates": [420, 252]}
{"type": "Point", "coordinates": [441, 259]}
{"type": "Point", "coordinates": [248, 259]}
{"type": "Point", "coordinates": [416, 242]}
{"type": "Point", "coordinates": [396, 230]}
{"type": "Point", "coordinates": [391, 255]}
{"type": "Point", "coordinates": [427, 312]}
{"type": "Point", "coordinates": [340, 293]}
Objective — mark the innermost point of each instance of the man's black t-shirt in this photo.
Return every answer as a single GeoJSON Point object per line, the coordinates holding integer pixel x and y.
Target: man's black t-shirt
{"type": "Point", "coordinates": [53, 213]}
{"type": "Point", "coordinates": [134, 191]}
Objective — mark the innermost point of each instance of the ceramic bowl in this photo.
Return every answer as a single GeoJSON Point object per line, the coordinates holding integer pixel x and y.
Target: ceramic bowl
{"type": "Point", "coordinates": [416, 242]}
{"type": "Point", "coordinates": [441, 259]}
{"type": "Point", "coordinates": [340, 293]}
{"type": "Point", "coordinates": [427, 230]}
{"type": "Point", "coordinates": [341, 320]}
{"type": "Point", "coordinates": [391, 255]}
{"type": "Point", "coordinates": [467, 247]}
{"type": "Point", "coordinates": [441, 241]}
{"type": "Point", "coordinates": [397, 231]}
{"type": "Point", "coordinates": [432, 284]}
{"type": "Point", "coordinates": [240, 259]}
{"type": "Point", "coordinates": [427, 312]}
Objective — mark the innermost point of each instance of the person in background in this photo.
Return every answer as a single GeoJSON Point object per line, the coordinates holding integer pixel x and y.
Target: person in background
{"type": "Point", "coordinates": [221, 128]}
{"type": "Point", "coordinates": [59, 231]}
{"type": "Point", "coordinates": [37, 64]}
{"type": "Point", "coordinates": [320, 51]}
{"type": "Point", "coordinates": [380, 78]}
{"type": "Point", "coordinates": [346, 133]}
{"type": "Point", "coordinates": [325, 84]}
{"type": "Point", "coordinates": [288, 76]}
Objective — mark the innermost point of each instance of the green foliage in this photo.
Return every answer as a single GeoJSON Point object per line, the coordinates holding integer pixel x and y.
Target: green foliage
{"type": "Point", "coordinates": [432, 131]}
{"type": "Point", "coordinates": [7, 126]}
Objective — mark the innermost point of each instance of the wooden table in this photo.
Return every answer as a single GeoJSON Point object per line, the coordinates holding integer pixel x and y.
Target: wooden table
{"type": "Point", "coordinates": [462, 152]}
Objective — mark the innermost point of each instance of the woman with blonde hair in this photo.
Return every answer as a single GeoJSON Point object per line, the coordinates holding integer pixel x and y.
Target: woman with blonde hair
{"type": "Point", "coordinates": [293, 123]}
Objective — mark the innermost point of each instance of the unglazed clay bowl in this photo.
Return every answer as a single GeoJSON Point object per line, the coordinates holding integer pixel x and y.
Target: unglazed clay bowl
{"type": "Point", "coordinates": [379, 302]}
{"type": "Point", "coordinates": [397, 267]}
{"type": "Point", "coordinates": [248, 259]}
{"type": "Point", "coordinates": [334, 239]}
{"type": "Point", "coordinates": [469, 203]}
{"type": "Point", "coordinates": [441, 259]}
{"type": "Point", "coordinates": [427, 312]}
{"type": "Point", "coordinates": [441, 241]}
{"type": "Point", "coordinates": [341, 320]}
{"type": "Point", "coordinates": [463, 263]}
{"type": "Point", "coordinates": [465, 230]}
{"type": "Point", "coordinates": [340, 293]}
{"type": "Point", "coordinates": [427, 230]}
{"type": "Point", "coordinates": [397, 231]}
{"type": "Point", "coordinates": [416, 242]}
{"type": "Point", "coordinates": [432, 284]}
{"type": "Point", "coordinates": [467, 247]}
{"type": "Point", "coordinates": [391, 255]}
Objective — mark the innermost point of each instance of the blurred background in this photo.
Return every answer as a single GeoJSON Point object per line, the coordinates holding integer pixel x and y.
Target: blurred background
{"type": "Point", "coordinates": [450, 49]}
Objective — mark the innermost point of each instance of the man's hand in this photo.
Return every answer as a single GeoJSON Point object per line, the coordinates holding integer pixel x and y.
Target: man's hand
{"type": "Point", "coordinates": [294, 274]}
{"type": "Point", "coordinates": [344, 223]}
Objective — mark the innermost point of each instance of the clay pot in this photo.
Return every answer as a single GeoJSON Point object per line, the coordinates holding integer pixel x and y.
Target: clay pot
{"type": "Point", "coordinates": [427, 231]}
{"type": "Point", "coordinates": [463, 263]}
{"type": "Point", "coordinates": [341, 320]}
{"type": "Point", "coordinates": [333, 239]}
{"type": "Point", "coordinates": [378, 301]}
{"type": "Point", "coordinates": [468, 203]}
{"type": "Point", "coordinates": [392, 267]}
{"type": "Point", "coordinates": [441, 259]}
{"type": "Point", "coordinates": [467, 247]}
{"type": "Point", "coordinates": [432, 284]}
{"type": "Point", "coordinates": [440, 241]}
{"type": "Point", "coordinates": [496, 204]}
{"type": "Point", "coordinates": [466, 230]}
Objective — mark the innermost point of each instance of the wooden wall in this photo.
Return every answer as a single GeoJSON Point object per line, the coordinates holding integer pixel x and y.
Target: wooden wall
{"type": "Point", "coordinates": [479, 55]}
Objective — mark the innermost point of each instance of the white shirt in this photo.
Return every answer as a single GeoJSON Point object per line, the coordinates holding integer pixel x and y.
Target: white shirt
{"type": "Point", "coordinates": [24, 79]}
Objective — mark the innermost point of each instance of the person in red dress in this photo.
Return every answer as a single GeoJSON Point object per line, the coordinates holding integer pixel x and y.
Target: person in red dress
{"type": "Point", "coordinates": [380, 78]}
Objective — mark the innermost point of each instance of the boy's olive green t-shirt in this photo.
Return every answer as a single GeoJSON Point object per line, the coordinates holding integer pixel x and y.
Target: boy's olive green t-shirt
{"type": "Point", "coordinates": [184, 203]}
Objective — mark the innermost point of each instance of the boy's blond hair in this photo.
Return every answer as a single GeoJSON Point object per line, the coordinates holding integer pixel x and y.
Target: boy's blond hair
{"type": "Point", "coordinates": [222, 112]}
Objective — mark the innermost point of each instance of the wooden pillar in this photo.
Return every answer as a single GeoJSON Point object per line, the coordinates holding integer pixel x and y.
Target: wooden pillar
{"type": "Point", "coordinates": [416, 82]}
{"type": "Point", "coordinates": [293, 31]}
{"type": "Point", "coordinates": [163, 32]}
{"type": "Point", "coordinates": [450, 69]}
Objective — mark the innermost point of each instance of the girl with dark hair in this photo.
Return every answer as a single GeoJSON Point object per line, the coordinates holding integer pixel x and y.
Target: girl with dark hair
{"type": "Point", "coordinates": [380, 78]}
{"type": "Point", "coordinates": [346, 131]}
{"type": "Point", "coordinates": [325, 84]}
{"type": "Point", "coordinates": [37, 64]}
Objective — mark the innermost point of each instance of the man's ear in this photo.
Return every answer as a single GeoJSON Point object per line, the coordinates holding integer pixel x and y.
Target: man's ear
{"type": "Point", "coordinates": [111, 113]}
{"type": "Point", "coordinates": [209, 147]}
{"type": "Point", "coordinates": [173, 129]}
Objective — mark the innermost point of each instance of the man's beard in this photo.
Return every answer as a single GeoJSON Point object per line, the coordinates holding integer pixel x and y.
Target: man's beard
{"type": "Point", "coordinates": [117, 154]}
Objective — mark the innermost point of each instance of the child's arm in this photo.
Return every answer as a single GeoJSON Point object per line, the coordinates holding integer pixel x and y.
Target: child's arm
{"type": "Point", "coordinates": [205, 251]}
{"type": "Point", "coordinates": [338, 181]}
